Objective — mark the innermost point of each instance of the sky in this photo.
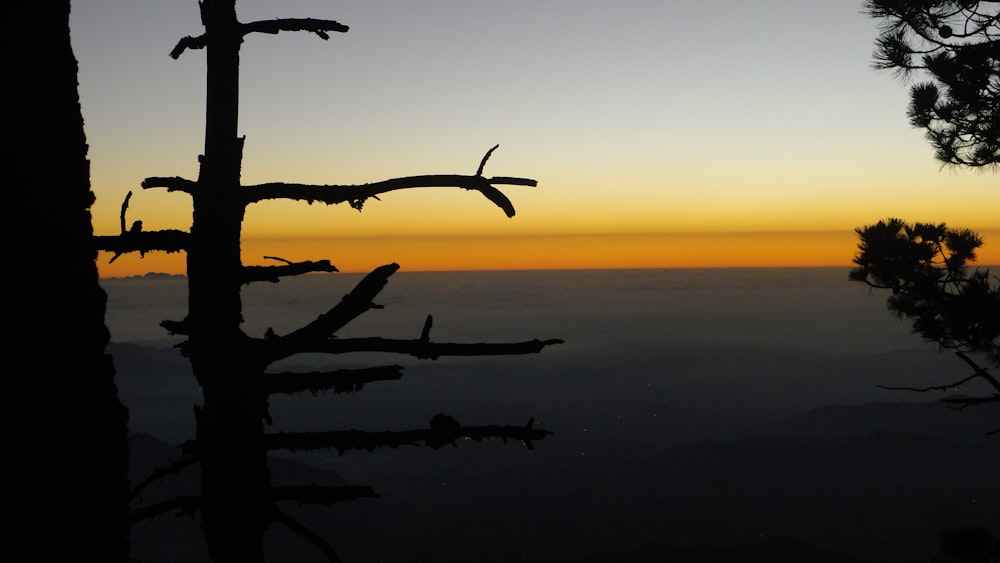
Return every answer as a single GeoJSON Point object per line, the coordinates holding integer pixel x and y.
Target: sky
{"type": "Point", "coordinates": [662, 134]}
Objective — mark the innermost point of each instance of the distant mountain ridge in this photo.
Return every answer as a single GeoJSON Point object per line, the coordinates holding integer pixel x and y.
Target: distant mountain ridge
{"type": "Point", "coordinates": [771, 550]}
{"type": "Point", "coordinates": [836, 484]}
{"type": "Point", "coordinates": [931, 418]}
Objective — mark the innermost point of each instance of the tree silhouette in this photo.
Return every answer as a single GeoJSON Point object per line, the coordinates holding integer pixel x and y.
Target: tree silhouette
{"type": "Point", "coordinates": [926, 268]}
{"type": "Point", "coordinates": [68, 457]}
{"type": "Point", "coordinates": [926, 265]}
{"type": "Point", "coordinates": [956, 43]}
{"type": "Point", "coordinates": [237, 502]}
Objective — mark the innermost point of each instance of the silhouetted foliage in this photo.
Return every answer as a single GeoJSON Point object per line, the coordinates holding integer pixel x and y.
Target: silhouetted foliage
{"type": "Point", "coordinates": [926, 268]}
{"type": "Point", "coordinates": [68, 456]}
{"type": "Point", "coordinates": [237, 502]}
{"type": "Point", "coordinates": [956, 44]}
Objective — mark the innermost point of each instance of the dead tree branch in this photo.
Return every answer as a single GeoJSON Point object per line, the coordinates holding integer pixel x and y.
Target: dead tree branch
{"type": "Point", "coordinates": [341, 381]}
{"type": "Point", "coordinates": [425, 333]}
{"type": "Point", "coordinates": [176, 328]}
{"type": "Point", "coordinates": [273, 274]}
{"type": "Point", "coordinates": [426, 350]}
{"type": "Point", "coordinates": [358, 301]}
{"type": "Point", "coordinates": [188, 42]}
{"type": "Point", "coordinates": [143, 242]}
{"type": "Point", "coordinates": [135, 240]}
{"type": "Point", "coordinates": [315, 494]}
{"type": "Point", "coordinates": [175, 467]}
{"type": "Point", "coordinates": [482, 163]}
{"type": "Point", "coordinates": [319, 27]}
{"type": "Point", "coordinates": [186, 505]}
{"type": "Point", "coordinates": [171, 183]}
{"type": "Point", "coordinates": [357, 194]}
{"type": "Point", "coordinates": [316, 336]}
{"type": "Point", "coordinates": [302, 530]}
{"type": "Point", "coordinates": [444, 430]}
{"type": "Point", "coordinates": [273, 27]}
{"type": "Point", "coordinates": [121, 216]}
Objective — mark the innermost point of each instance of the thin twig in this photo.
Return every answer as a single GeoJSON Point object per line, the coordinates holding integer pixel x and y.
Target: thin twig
{"type": "Point", "coordinates": [128, 196]}
{"type": "Point", "coordinates": [932, 387]}
{"type": "Point", "coordinates": [482, 163]}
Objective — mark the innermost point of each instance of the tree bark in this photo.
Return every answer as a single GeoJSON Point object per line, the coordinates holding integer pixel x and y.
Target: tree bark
{"type": "Point", "coordinates": [235, 479]}
{"type": "Point", "coordinates": [73, 469]}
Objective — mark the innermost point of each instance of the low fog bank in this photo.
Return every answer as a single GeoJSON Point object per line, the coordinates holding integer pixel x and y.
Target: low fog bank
{"type": "Point", "coordinates": [661, 356]}
{"type": "Point", "coordinates": [715, 407]}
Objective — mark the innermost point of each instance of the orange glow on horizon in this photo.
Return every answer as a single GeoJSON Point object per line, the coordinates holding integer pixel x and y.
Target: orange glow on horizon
{"type": "Point", "coordinates": [545, 252]}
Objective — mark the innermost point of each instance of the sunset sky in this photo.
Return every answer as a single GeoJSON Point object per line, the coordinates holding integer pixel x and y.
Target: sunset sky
{"type": "Point", "coordinates": [662, 133]}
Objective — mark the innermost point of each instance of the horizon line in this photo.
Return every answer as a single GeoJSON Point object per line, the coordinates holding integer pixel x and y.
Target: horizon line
{"type": "Point", "coordinates": [515, 270]}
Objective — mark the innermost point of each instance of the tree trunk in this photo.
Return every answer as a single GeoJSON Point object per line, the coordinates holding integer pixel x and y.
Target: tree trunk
{"type": "Point", "coordinates": [72, 445]}
{"type": "Point", "coordinates": [235, 481]}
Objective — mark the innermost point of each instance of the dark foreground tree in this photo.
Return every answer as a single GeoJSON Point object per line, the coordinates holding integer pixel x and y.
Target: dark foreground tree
{"type": "Point", "coordinates": [237, 502]}
{"type": "Point", "coordinates": [68, 454]}
{"type": "Point", "coordinates": [926, 267]}
{"type": "Point", "coordinates": [956, 45]}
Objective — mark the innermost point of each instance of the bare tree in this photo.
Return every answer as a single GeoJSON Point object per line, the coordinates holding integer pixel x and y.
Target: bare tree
{"type": "Point", "coordinates": [67, 410]}
{"type": "Point", "coordinates": [237, 502]}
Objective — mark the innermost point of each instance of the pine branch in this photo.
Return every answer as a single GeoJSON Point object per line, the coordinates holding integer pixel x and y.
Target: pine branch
{"type": "Point", "coordinates": [980, 370]}
{"type": "Point", "coordinates": [979, 373]}
{"type": "Point", "coordinates": [961, 403]}
{"type": "Point", "coordinates": [945, 387]}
